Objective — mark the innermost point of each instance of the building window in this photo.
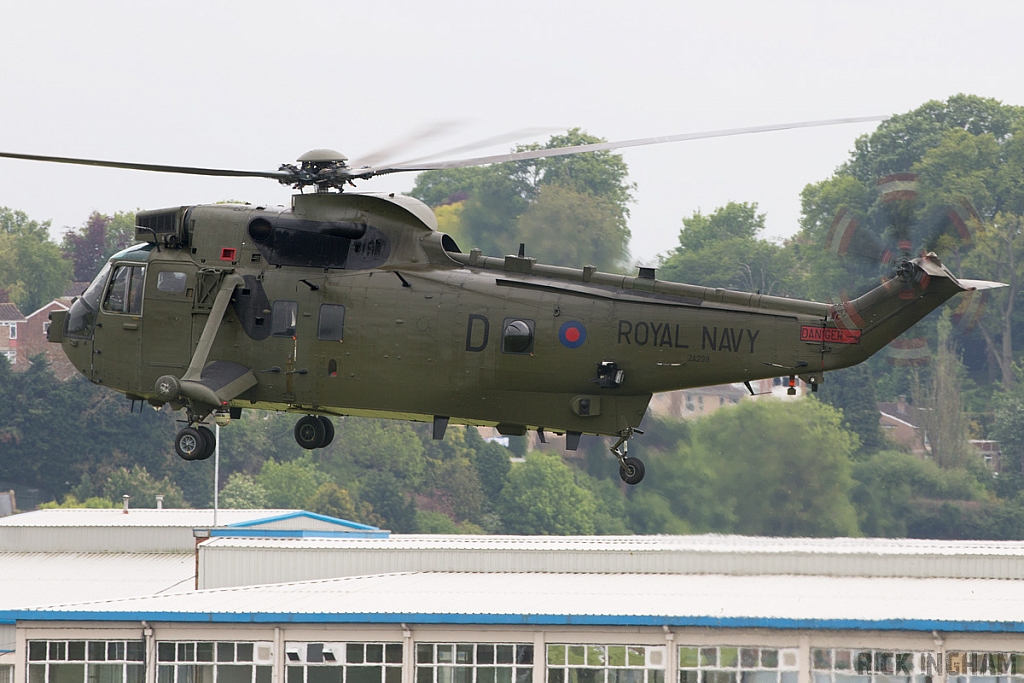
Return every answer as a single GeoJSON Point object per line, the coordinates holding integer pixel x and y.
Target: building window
{"type": "Point", "coordinates": [86, 661]}
{"type": "Point", "coordinates": [737, 665]}
{"type": "Point", "coordinates": [14, 330]}
{"type": "Point", "coordinates": [6, 673]}
{"type": "Point", "coordinates": [213, 662]}
{"type": "Point", "coordinates": [343, 662]}
{"type": "Point", "coordinates": [474, 663]}
{"type": "Point", "coordinates": [606, 664]}
{"type": "Point", "coordinates": [12, 356]}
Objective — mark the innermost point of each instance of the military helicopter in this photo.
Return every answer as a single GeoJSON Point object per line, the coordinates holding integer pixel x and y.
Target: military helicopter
{"type": "Point", "coordinates": [349, 303]}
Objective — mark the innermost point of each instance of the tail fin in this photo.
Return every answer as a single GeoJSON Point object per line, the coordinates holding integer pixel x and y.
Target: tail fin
{"type": "Point", "coordinates": [920, 286]}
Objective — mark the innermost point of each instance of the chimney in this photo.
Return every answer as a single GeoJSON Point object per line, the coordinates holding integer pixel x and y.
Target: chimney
{"type": "Point", "coordinates": [125, 498]}
{"type": "Point", "coordinates": [160, 502]}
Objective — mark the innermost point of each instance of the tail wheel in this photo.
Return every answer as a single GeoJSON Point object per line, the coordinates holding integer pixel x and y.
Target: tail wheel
{"type": "Point", "coordinates": [328, 431]}
{"type": "Point", "coordinates": [211, 442]}
{"type": "Point", "coordinates": [310, 432]}
{"type": "Point", "coordinates": [190, 444]}
{"type": "Point", "coordinates": [631, 471]}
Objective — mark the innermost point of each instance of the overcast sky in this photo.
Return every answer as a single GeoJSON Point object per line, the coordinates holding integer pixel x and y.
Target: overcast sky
{"type": "Point", "coordinates": [254, 84]}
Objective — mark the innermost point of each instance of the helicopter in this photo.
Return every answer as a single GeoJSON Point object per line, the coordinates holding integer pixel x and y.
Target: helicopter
{"type": "Point", "coordinates": [353, 303]}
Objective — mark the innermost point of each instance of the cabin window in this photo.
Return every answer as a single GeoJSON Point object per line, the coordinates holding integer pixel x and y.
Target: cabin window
{"type": "Point", "coordinates": [332, 323]}
{"type": "Point", "coordinates": [124, 295]}
{"type": "Point", "coordinates": [171, 281]}
{"type": "Point", "coordinates": [517, 336]}
{"type": "Point", "coordinates": [283, 318]}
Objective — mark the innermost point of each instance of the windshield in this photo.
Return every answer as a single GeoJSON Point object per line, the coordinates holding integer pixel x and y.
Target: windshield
{"type": "Point", "coordinates": [83, 312]}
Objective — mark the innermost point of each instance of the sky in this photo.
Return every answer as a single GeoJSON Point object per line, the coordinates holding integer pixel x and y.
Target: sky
{"type": "Point", "coordinates": [252, 85]}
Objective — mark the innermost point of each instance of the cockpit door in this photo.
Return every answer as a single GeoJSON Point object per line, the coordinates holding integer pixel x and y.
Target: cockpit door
{"type": "Point", "coordinates": [167, 338]}
{"type": "Point", "coordinates": [118, 337]}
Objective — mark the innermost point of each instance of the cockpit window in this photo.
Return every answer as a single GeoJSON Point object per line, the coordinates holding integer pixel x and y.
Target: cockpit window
{"type": "Point", "coordinates": [83, 312]}
{"type": "Point", "coordinates": [124, 295]}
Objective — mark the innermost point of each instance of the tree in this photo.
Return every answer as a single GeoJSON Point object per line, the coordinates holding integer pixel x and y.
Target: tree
{"type": "Point", "coordinates": [893, 490]}
{"type": "Point", "coordinates": [366, 445]}
{"type": "Point", "coordinates": [32, 270]}
{"type": "Point", "coordinates": [781, 467]}
{"type": "Point", "coordinates": [564, 226]}
{"type": "Point", "coordinates": [243, 493]}
{"type": "Point", "coordinates": [943, 417]}
{"type": "Point", "coordinates": [143, 488]}
{"type": "Point", "coordinates": [722, 249]}
{"type": "Point", "coordinates": [541, 497]}
{"type": "Point", "coordinates": [334, 501]}
{"type": "Point", "coordinates": [382, 491]}
{"type": "Point", "coordinates": [97, 240]}
{"type": "Point", "coordinates": [852, 390]}
{"type": "Point", "coordinates": [497, 204]}
{"type": "Point", "coordinates": [290, 484]}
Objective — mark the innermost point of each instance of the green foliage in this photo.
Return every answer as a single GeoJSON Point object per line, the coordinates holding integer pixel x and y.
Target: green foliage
{"type": "Point", "coordinates": [291, 484]}
{"type": "Point", "coordinates": [568, 210]}
{"type": "Point", "coordinates": [397, 509]}
{"type": "Point", "coordinates": [650, 513]}
{"type": "Point", "coordinates": [541, 497]}
{"type": "Point", "coordinates": [852, 390]}
{"type": "Point", "coordinates": [896, 492]}
{"type": "Point", "coordinates": [722, 249]}
{"type": "Point", "coordinates": [242, 492]}
{"type": "Point", "coordinates": [794, 479]}
{"type": "Point", "coordinates": [143, 488]}
{"type": "Point", "coordinates": [564, 226]}
{"type": "Point", "coordinates": [95, 502]}
{"type": "Point", "coordinates": [32, 270]}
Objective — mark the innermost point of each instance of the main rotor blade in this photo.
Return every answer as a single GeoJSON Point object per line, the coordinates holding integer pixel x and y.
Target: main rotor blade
{"type": "Point", "coordinates": [159, 168]}
{"type": "Point", "coordinates": [382, 155]}
{"type": "Point", "coordinates": [603, 146]}
{"type": "Point", "coordinates": [486, 142]}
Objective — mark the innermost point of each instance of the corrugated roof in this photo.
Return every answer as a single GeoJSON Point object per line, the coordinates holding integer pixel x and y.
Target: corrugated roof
{"type": "Point", "coordinates": [703, 542]}
{"type": "Point", "coordinates": [30, 579]}
{"type": "Point", "coordinates": [238, 562]}
{"type": "Point", "coordinates": [167, 517]}
{"type": "Point", "coordinates": [613, 599]}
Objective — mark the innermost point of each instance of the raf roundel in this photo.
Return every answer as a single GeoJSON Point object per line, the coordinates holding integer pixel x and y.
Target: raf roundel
{"type": "Point", "coordinates": [572, 334]}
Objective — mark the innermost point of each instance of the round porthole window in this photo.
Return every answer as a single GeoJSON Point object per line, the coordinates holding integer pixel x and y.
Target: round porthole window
{"type": "Point", "coordinates": [518, 337]}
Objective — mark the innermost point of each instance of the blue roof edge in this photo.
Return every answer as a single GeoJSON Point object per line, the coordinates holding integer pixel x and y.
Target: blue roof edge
{"type": "Point", "coordinates": [224, 532]}
{"type": "Point", "coordinates": [926, 625]}
{"type": "Point", "coordinates": [304, 513]}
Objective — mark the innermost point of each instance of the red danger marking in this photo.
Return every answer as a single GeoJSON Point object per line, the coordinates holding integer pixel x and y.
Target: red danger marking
{"type": "Point", "coordinates": [831, 335]}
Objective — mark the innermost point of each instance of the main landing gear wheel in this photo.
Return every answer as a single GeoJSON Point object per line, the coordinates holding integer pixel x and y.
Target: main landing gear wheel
{"type": "Point", "coordinates": [211, 442]}
{"type": "Point", "coordinates": [328, 431]}
{"type": "Point", "coordinates": [631, 470]}
{"type": "Point", "coordinates": [310, 432]}
{"type": "Point", "coordinates": [190, 444]}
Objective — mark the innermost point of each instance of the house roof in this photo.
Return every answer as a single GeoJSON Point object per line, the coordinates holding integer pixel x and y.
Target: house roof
{"type": "Point", "coordinates": [9, 313]}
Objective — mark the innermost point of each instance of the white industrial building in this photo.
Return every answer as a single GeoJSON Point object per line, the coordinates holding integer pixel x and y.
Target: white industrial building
{"type": "Point", "coordinates": [290, 597]}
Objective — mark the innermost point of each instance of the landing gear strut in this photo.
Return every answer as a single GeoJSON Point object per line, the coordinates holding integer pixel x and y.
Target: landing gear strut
{"type": "Point", "coordinates": [314, 431]}
{"type": "Point", "coordinates": [631, 470]}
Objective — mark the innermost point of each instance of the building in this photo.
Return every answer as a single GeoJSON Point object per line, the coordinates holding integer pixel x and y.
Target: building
{"type": "Point", "coordinates": [694, 403]}
{"type": "Point", "coordinates": [901, 423]}
{"type": "Point", "coordinates": [33, 341]}
{"type": "Point", "coordinates": [11, 322]}
{"type": "Point", "coordinates": [285, 604]}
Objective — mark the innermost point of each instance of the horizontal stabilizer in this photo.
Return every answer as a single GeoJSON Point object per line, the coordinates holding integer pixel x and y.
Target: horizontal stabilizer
{"type": "Point", "coordinates": [981, 284]}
